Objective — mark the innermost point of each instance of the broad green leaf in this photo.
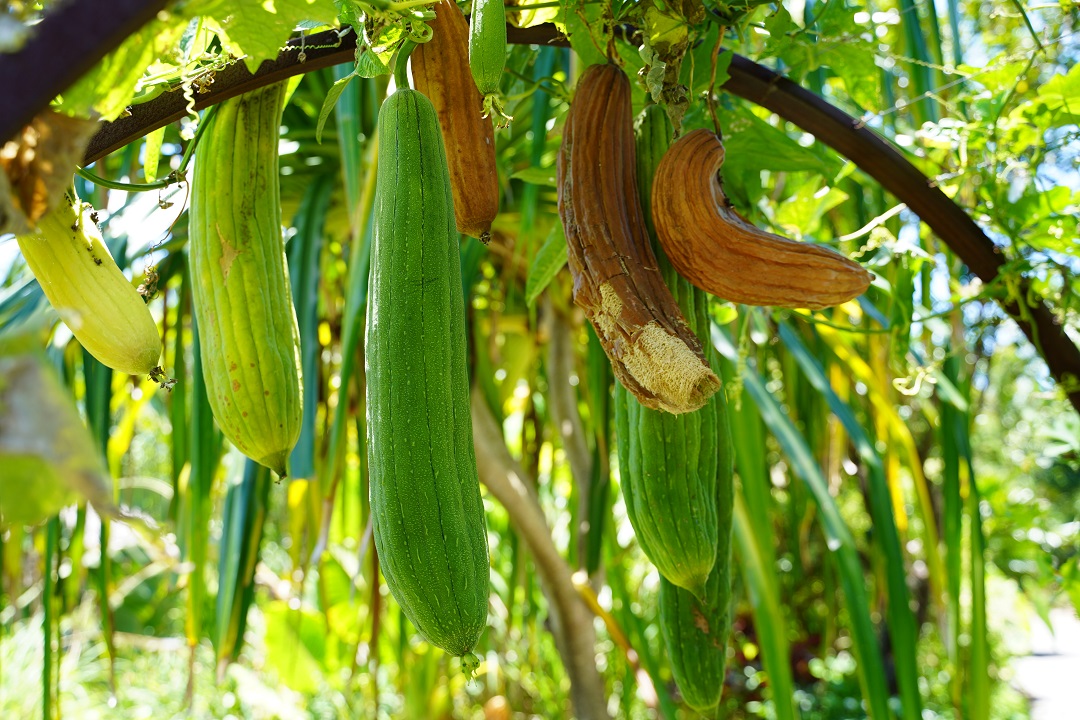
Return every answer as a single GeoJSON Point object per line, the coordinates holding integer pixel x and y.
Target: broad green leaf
{"type": "Point", "coordinates": [754, 145]}
{"type": "Point", "coordinates": [537, 176]}
{"type": "Point", "coordinates": [48, 457]}
{"type": "Point", "coordinates": [801, 214]}
{"type": "Point", "coordinates": [110, 85]}
{"type": "Point", "coordinates": [862, 78]}
{"type": "Point", "coordinates": [370, 64]}
{"type": "Point", "coordinates": [296, 646]}
{"type": "Point", "coordinates": [582, 25]}
{"type": "Point", "coordinates": [995, 77]}
{"type": "Point", "coordinates": [549, 260]}
{"type": "Point", "coordinates": [260, 30]}
{"type": "Point", "coordinates": [1061, 95]}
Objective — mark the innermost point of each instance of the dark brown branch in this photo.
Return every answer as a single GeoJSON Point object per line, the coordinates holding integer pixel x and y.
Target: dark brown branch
{"type": "Point", "coordinates": [62, 48]}
{"type": "Point", "coordinates": [749, 80]}
{"type": "Point", "coordinates": [880, 160]}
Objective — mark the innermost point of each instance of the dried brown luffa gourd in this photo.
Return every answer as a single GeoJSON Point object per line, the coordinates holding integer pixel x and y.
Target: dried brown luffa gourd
{"type": "Point", "coordinates": [616, 281]}
{"type": "Point", "coordinates": [719, 251]}
{"type": "Point", "coordinates": [441, 72]}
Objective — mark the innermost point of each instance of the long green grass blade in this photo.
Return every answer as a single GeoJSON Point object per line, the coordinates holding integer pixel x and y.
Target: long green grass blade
{"type": "Point", "coordinates": [98, 382]}
{"type": "Point", "coordinates": [541, 112]}
{"type": "Point", "coordinates": [178, 406]}
{"type": "Point", "coordinates": [195, 506]}
{"type": "Point", "coordinates": [49, 698]}
{"type": "Point", "coordinates": [243, 518]}
{"type": "Point", "coordinates": [900, 619]}
{"type": "Point", "coordinates": [951, 427]}
{"type": "Point", "coordinates": [600, 377]}
{"type": "Point", "coordinates": [757, 542]}
{"type": "Point", "coordinates": [355, 300]}
{"type": "Point", "coordinates": [770, 622]}
{"type": "Point", "coordinates": [304, 253]}
{"type": "Point", "coordinates": [867, 649]}
{"type": "Point", "coordinates": [650, 656]}
{"type": "Point", "coordinates": [977, 662]}
{"type": "Point", "coordinates": [919, 69]}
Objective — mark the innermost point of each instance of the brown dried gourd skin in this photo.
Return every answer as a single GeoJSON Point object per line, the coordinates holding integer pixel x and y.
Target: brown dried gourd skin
{"type": "Point", "coordinates": [441, 72]}
{"type": "Point", "coordinates": [653, 352]}
{"type": "Point", "coordinates": [719, 251]}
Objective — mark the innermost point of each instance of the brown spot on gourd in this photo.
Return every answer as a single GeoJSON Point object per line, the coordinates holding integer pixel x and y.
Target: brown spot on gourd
{"type": "Point", "coordinates": [266, 393]}
{"type": "Point", "coordinates": [235, 385]}
{"type": "Point", "coordinates": [232, 366]}
{"type": "Point", "coordinates": [700, 621]}
{"type": "Point", "coordinates": [228, 253]}
{"type": "Point", "coordinates": [245, 413]}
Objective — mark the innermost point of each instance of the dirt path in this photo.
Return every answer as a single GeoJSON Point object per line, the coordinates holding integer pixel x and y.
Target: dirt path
{"type": "Point", "coordinates": [1050, 675]}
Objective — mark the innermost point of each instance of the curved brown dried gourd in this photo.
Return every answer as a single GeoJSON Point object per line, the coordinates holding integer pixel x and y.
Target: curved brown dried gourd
{"type": "Point", "coordinates": [616, 281]}
{"type": "Point", "coordinates": [441, 72]}
{"type": "Point", "coordinates": [719, 251]}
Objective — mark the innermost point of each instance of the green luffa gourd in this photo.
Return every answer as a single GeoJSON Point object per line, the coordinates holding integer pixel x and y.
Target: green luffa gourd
{"type": "Point", "coordinates": [676, 473]}
{"type": "Point", "coordinates": [425, 493]}
{"type": "Point", "coordinates": [668, 463]}
{"type": "Point", "coordinates": [249, 340]}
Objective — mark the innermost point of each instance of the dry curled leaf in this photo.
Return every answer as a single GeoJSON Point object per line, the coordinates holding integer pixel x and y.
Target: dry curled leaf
{"type": "Point", "coordinates": [616, 280]}
{"type": "Point", "coordinates": [719, 251]}
{"type": "Point", "coordinates": [36, 167]}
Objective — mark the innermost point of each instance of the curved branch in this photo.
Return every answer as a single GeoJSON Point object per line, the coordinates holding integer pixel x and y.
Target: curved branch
{"type": "Point", "coordinates": [563, 403]}
{"type": "Point", "coordinates": [749, 80]}
{"type": "Point", "coordinates": [572, 623]}
{"type": "Point", "coordinates": [880, 160]}
{"type": "Point", "coordinates": [36, 73]}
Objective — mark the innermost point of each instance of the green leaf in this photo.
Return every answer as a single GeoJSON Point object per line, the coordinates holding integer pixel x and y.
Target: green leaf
{"type": "Point", "coordinates": [153, 154]}
{"type": "Point", "coordinates": [546, 265]}
{"type": "Point", "coordinates": [537, 176]}
{"type": "Point", "coordinates": [48, 457]}
{"type": "Point", "coordinates": [582, 24]}
{"type": "Point", "coordinates": [801, 214]}
{"type": "Point", "coordinates": [260, 30]}
{"type": "Point", "coordinates": [296, 646]}
{"type": "Point", "coordinates": [110, 85]}
{"type": "Point", "coordinates": [370, 65]}
{"type": "Point", "coordinates": [1061, 95]}
{"type": "Point", "coordinates": [851, 63]}
{"type": "Point", "coordinates": [332, 96]}
{"type": "Point", "coordinates": [754, 145]}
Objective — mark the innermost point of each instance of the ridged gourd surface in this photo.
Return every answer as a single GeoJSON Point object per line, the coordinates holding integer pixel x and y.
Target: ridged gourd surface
{"type": "Point", "coordinates": [248, 331]}
{"type": "Point", "coordinates": [487, 44]}
{"type": "Point", "coordinates": [425, 494]}
{"type": "Point", "coordinates": [696, 631]}
{"type": "Point", "coordinates": [86, 287]}
{"type": "Point", "coordinates": [669, 462]}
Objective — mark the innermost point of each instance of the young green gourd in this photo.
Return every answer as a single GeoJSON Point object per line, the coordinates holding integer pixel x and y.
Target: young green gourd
{"type": "Point", "coordinates": [425, 493]}
{"type": "Point", "coordinates": [487, 52]}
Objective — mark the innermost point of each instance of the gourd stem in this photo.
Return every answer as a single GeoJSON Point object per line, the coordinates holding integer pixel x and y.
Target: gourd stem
{"type": "Point", "coordinates": [401, 76]}
{"type": "Point", "coordinates": [172, 178]}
